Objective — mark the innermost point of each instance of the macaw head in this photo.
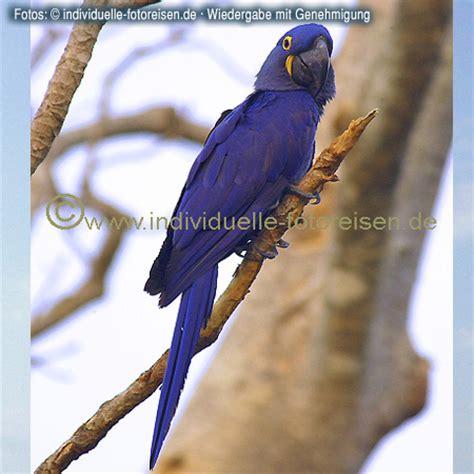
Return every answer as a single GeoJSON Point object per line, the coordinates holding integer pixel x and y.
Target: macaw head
{"type": "Point", "coordinates": [301, 60]}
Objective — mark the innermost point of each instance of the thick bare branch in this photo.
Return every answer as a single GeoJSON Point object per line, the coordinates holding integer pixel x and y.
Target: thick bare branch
{"type": "Point", "coordinates": [88, 435]}
{"type": "Point", "coordinates": [68, 75]}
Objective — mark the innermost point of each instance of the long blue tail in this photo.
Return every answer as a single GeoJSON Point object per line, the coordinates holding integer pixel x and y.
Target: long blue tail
{"type": "Point", "coordinates": [194, 311]}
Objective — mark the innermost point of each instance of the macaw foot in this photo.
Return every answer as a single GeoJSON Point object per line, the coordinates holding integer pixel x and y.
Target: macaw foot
{"type": "Point", "coordinates": [295, 190]}
{"type": "Point", "coordinates": [270, 254]}
{"type": "Point", "coordinates": [273, 252]}
{"type": "Point", "coordinates": [241, 250]}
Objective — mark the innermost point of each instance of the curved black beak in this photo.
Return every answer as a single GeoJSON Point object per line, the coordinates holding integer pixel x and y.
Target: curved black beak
{"type": "Point", "coordinates": [310, 68]}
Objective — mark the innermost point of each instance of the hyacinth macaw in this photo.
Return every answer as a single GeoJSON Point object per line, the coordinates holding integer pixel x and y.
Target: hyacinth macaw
{"type": "Point", "coordinates": [252, 157]}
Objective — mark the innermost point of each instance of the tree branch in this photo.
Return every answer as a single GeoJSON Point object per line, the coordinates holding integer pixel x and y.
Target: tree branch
{"type": "Point", "coordinates": [88, 435]}
{"type": "Point", "coordinates": [93, 286]}
{"type": "Point", "coordinates": [67, 77]}
{"type": "Point", "coordinates": [164, 121]}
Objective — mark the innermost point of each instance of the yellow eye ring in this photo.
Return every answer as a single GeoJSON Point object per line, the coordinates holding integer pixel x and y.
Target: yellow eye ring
{"type": "Point", "coordinates": [286, 44]}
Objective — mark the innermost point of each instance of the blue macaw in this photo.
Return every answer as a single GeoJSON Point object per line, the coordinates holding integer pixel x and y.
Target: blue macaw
{"type": "Point", "coordinates": [254, 155]}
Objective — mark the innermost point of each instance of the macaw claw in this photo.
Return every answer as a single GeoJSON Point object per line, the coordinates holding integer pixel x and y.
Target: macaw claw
{"type": "Point", "coordinates": [242, 249]}
{"type": "Point", "coordinates": [283, 244]}
{"type": "Point", "coordinates": [295, 190]}
{"type": "Point", "coordinates": [270, 254]}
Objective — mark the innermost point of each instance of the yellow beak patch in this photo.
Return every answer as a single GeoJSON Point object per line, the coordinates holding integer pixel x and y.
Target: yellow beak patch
{"type": "Point", "coordinates": [289, 64]}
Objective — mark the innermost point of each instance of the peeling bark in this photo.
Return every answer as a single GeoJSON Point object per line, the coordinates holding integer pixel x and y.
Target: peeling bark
{"type": "Point", "coordinates": [52, 112]}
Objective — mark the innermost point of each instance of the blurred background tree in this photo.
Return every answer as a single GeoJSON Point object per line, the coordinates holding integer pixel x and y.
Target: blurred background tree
{"type": "Point", "coordinates": [317, 365]}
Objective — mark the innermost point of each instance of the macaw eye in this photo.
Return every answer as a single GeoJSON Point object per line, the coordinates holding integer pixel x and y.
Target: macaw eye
{"type": "Point", "coordinates": [287, 43]}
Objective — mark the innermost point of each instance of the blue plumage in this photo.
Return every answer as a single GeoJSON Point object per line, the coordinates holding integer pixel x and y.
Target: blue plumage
{"type": "Point", "coordinates": [194, 310]}
{"type": "Point", "coordinates": [248, 161]}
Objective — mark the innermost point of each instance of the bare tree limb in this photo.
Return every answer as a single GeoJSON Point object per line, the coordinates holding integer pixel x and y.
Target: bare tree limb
{"type": "Point", "coordinates": [67, 77]}
{"type": "Point", "coordinates": [93, 286]}
{"type": "Point", "coordinates": [88, 435]}
{"type": "Point", "coordinates": [69, 71]}
{"type": "Point", "coordinates": [164, 121]}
